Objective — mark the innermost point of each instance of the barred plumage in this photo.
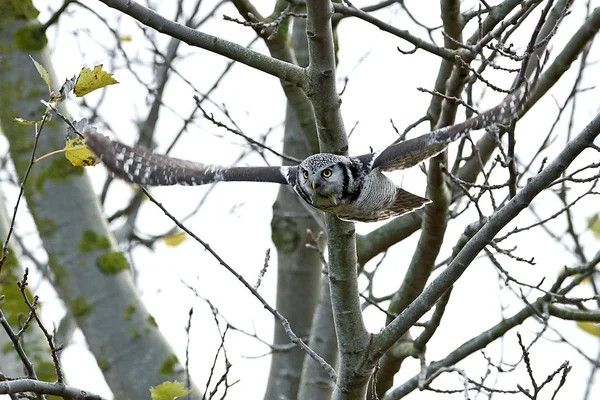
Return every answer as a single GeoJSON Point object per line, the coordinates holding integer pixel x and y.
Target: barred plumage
{"type": "Point", "coordinates": [352, 188]}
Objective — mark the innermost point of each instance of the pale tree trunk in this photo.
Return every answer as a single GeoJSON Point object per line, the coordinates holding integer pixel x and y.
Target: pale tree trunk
{"type": "Point", "coordinates": [298, 273]}
{"type": "Point", "coordinates": [91, 275]}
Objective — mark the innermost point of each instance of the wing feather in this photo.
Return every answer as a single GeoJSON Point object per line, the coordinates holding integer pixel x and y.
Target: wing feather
{"type": "Point", "coordinates": [138, 165]}
{"type": "Point", "coordinates": [413, 151]}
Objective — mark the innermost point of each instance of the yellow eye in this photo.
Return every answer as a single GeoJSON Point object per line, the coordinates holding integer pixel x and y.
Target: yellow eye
{"type": "Point", "coordinates": [305, 174]}
{"type": "Point", "coordinates": [326, 173]}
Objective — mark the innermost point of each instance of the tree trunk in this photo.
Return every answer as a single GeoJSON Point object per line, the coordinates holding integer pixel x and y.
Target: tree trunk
{"type": "Point", "coordinates": [299, 268]}
{"type": "Point", "coordinates": [91, 275]}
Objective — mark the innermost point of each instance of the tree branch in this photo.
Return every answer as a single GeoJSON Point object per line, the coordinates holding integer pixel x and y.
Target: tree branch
{"type": "Point", "coordinates": [401, 33]}
{"type": "Point", "coordinates": [497, 331]}
{"type": "Point", "coordinates": [52, 388]}
{"type": "Point", "coordinates": [398, 229]}
{"type": "Point", "coordinates": [280, 69]}
{"type": "Point", "coordinates": [499, 220]}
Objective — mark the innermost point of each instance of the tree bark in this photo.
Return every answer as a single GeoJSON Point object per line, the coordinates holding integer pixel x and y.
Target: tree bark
{"type": "Point", "coordinates": [91, 275]}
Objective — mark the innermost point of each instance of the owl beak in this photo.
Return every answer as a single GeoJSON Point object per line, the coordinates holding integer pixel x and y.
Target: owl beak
{"type": "Point", "coordinates": [313, 185]}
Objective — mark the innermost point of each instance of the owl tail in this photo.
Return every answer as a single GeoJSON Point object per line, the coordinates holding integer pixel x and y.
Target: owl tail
{"type": "Point", "coordinates": [406, 202]}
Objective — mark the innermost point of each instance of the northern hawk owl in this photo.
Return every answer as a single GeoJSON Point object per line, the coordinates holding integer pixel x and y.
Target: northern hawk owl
{"type": "Point", "coordinates": [352, 188]}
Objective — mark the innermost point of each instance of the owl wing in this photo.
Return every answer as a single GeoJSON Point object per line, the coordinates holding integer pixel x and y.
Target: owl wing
{"type": "Point", "coordinates": [413, 151]}
{"type": "Point", "coordinates": [138, 165]}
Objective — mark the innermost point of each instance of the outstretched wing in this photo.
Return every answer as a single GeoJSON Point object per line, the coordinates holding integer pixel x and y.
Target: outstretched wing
{"type": "Point", "coordinates": [411, 152]}
{"type": "Point", "coordinates": [141, 166]}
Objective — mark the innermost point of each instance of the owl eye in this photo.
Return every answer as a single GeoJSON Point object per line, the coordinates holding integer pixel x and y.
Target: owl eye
{"type": "Point", "coordinates": [305, 174]}
{"type": "Point", "coordinates": [326, 173]}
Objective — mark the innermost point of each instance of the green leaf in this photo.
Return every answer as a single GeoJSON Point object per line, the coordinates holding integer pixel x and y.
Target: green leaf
{"type": "Point", "coordinates": [42, 71]}
{"type": "Point", "coordinates": [168, 391]}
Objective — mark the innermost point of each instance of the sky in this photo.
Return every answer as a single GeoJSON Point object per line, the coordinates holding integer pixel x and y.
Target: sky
{"type": "Point", "coordinates": [235, 217]}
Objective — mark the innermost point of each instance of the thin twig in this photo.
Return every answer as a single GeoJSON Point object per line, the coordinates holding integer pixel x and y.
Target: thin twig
{"type": "Point", "coordinates": [284, 322]}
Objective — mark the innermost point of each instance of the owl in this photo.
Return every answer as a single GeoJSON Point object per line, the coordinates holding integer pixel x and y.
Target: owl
{"type": "Point", "coordinates": [351, 188]}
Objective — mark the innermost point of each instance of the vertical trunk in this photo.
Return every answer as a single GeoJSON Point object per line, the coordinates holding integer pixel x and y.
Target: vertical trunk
{"type": "Point", "coordinates": [298, 273]}
{"type": "Point", "coordinates": [299, 268]}
{"type": "Point", "coordinates": [91, 275]}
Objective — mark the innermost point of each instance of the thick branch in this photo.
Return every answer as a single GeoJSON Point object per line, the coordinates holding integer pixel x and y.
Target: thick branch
{"type": "Point", "coordinates": [282, 70]}
{"type": "Point", "coordinates": [435, 217]}
{"type": "Point", "coordinates": [379, 240]}
{"type": "Point", "coordinates": [40, 387]}
{"type": "Point", "coordinates": [572, 314]}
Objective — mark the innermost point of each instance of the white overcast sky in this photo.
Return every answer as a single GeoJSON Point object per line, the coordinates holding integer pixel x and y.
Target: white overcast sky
{"type": "Point", "coordinates": [236, 217]}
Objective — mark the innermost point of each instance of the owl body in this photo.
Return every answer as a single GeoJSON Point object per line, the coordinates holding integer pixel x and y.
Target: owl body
{"type": "Point", "coordinates": [352, 188]}
{"type": "Point", "coordinates": [349, 189]}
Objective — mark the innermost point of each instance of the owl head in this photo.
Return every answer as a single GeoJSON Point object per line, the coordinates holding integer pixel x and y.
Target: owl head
{"type": "Point", "coordinates": [324, 177]}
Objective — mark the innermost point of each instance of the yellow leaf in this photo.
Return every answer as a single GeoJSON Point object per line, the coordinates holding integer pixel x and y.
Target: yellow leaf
{"type": "Point", "coordinates": [590, 327]}
{"type": "Point", "coordinates": [168, 391]}
{"type": "Point", "coordinates": [89, 80]}
{"type": "Point", "coordinates": [42, 71]}
{"type": "Point", "coordinates": [78, 153]}
{"type": "Point", "coordinates": [175, 239]}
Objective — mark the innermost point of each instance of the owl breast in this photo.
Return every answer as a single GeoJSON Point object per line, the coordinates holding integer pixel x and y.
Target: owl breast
{"type": "Point", "coordinates": [377, 192]}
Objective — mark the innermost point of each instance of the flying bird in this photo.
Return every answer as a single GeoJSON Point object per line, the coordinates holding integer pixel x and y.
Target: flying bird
{"type": "Point", "coordinates": [352, 188]}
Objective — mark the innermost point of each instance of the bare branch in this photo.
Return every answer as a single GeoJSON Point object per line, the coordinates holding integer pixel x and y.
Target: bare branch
{"type": "Point", "coordinates": [50, 388]}
{"type": "Point", "coordinates": [148, 17]}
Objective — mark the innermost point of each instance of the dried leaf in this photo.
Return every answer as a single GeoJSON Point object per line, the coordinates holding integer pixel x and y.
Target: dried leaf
{"type": "Point", "coordinates": [64, 90]}
{"type": "Point", "coordinates": [79, 154]}
{"type": "Point", "coordinates": [175, 239]}
{"type": "Point", "coordinates": [590, 327]}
